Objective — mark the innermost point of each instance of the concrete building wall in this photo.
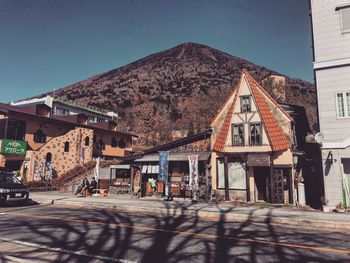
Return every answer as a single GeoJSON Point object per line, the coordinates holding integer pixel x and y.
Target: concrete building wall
{"type": "Point", "coordinates": [329, 83]}
{"type": "Point", "coordinates": [330, 42]}
{"type": "Point", "coordinates": [332, 71]}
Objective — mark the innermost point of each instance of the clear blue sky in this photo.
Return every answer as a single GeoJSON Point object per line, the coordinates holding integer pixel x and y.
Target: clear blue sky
{"type": "Point", "coordinates": [46, 44]}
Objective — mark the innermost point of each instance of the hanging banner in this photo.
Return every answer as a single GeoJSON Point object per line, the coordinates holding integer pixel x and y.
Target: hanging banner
{"type": "Point", "coordinates": [163, 166]}
{"type": "Point", "coordinates": [193, 163]}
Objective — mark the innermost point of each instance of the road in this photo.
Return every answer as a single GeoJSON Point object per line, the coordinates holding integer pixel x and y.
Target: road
{"type": "Point", "coordinates": [51, 233]}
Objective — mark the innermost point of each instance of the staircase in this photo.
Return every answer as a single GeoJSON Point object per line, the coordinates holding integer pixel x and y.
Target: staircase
{"type": "Point", "coordinates": [68, 180]}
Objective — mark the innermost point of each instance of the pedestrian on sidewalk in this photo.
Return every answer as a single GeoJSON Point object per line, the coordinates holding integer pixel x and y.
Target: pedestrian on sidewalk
{"type": "Point", "coordinates": [154, 186]}
{"type": "Point", "coordinates": [85, 187]}
{"type": "Point", "coordinates": [93, 185]}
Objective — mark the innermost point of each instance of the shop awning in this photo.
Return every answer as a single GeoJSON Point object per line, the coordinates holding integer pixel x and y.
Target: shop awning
{"type": "Point", "coordinates": [174, 156]}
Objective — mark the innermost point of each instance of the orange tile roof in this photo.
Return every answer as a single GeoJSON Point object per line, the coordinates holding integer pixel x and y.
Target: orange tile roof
{"type": "Point", "coordinates": [219, 144]}
{"type": "Point", "coordinates": [228, 98]}
{"type": "Point", "coordinates": [252, 80]}
{"type": "Point", "coordinates": [277, 138]}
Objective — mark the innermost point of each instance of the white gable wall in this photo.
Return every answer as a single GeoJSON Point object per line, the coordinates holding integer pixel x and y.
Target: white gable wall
{"type": "Point", "coordinates": [245, 119]}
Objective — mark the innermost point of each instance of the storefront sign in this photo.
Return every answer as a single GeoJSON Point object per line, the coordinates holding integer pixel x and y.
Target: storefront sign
{"type": "Point", "coordinates": [193, 163]}
{"type": "Point", "coordinates": [120, 166]}
{"type": "Point", "coordinates": [258, 160]}
{"type": "Point", "coordinates": [163, 166]}
{"type": "Point", "coordinates": [13, 147]}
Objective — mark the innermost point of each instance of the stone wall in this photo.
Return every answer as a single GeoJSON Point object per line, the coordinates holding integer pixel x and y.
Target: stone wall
{"type": "Point", "coordinates": [63, 158]}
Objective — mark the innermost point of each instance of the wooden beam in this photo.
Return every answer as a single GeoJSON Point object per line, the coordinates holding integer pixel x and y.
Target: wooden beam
{"type": "Point", "coordinates": [247, 173]}
{"type": "Point", "coordinates": [271, 178]}
{"type": "Point", "coordinates": [290, 186]}
{"type": "Point", "coordinates": [131, 179]}
{"type": "Point", "coordinates": [227, 193]}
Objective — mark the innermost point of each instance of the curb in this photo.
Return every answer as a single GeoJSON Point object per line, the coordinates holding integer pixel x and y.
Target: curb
{"type": "Point", "coordinates": [212, 216]}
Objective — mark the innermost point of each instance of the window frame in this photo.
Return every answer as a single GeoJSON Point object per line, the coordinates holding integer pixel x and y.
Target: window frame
{"type": "Point", "coordinates": [114, 142]}
{"type": "Point", "coordinates": [221, 184]}
{"type": "Point", "coordinates": [234, 143]}
{"type": "Point", "coordinates": [66, 146]}
{"type": "Point", "coordinates": [341, 9]}
{"type": "Point", "coordinates": [250, 134]}
{"type": "Point", "coordinates": [242, 98]}
{"type": "Point", "coordinates": [40, 139]}
{"type": "Point", "coordinates": [345, 103]}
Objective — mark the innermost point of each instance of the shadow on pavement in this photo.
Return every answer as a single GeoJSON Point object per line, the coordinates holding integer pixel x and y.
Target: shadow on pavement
{"type": "Point", "coordinates": [171, 237]}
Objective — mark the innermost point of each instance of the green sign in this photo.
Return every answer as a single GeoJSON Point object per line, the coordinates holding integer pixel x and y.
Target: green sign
{"type": "Point", "coordinates": [13, 147]}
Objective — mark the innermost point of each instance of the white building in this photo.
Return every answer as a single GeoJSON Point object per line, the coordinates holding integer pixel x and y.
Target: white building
{"type": "Point", "coordinates": [331, 38]}
{"type": "Point", "coordinates": [63, 107]}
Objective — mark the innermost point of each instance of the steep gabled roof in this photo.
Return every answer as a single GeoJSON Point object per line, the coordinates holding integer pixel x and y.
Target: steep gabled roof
{"type": "Point", "coordinates": [278, 140]}
{"type": "Point", "coordinates": [252, 81]}
{"type": "Point", "coordinates": [219, 144]}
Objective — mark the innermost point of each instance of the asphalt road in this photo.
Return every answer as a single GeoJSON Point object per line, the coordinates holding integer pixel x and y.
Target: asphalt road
{"type": "Point", "coordinates": [51, 233]}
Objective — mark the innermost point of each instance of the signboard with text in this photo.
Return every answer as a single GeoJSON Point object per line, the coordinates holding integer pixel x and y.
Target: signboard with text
{"type": "Point", "coordinates": [258, 159]}
{"type": "Point", "coordinates": [13, 147]}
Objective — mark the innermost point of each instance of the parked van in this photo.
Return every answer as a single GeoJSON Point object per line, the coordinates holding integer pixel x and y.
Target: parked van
{"type": "Point", "coordinates": [11, 189]}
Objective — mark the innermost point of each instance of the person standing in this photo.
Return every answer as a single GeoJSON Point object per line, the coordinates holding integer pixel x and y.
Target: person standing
{"type": "Point", "coordinates": [154, 186]}
{"type": "Point", "coordinates": [93, 185]}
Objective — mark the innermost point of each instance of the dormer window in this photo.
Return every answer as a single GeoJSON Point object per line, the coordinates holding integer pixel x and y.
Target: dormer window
{"type": "Point", "coordinates": [237, 135]}
{"type": "Point", "coordinates": [245, 104]}
{"type": "Point", "coordinates": [255, 134]}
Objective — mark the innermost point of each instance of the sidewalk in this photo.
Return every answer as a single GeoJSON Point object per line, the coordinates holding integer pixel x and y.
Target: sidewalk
{"type": "Point", "coordinates": [222, 211]}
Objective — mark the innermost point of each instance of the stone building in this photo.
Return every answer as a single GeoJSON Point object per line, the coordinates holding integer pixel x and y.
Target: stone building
{"type": "Point", "coordinates": [43, 145]}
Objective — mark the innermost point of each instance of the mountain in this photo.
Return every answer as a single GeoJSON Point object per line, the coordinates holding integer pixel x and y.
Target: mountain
{"type": "Point", "coordinates": [181, 88]}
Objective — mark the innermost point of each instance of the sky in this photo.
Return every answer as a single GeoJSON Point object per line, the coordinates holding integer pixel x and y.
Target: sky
{"type": "Point", "coordinates": [47, 44]}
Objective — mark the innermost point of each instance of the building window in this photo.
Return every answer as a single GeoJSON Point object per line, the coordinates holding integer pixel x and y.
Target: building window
{"type": "Point", "coordinates": [100, 119]}
{"type": "Point", "coordinates": [343, 104]}
{"type": "Point", "coordinates": [66, 146]}
{"type": "Point", "coordinates": [61, 111]}
{"type": "Point", "coordinates": [48, 157]}
{"type": "Point", "coordinates": [91, 118]}
{"type": "Point", "coordinates": [101, 145]}
{"type": "Point", "coordinates": [237, 135]}
{"type": "Point", "coordinates": [114, 143]}
{"type": "Point", "coordinates": [39, 136]}
{"type": "Point", "coordinates": [87, 141]}
{"type": "Point", "coordinates": [255, 134]}
{"type": "Point", "coordinates": [345, 19]}
{"type": "Point", "coordinates": [236, 175]}
{"type": "Point", "coordinates": [122, 144]}
{"type": "Point", "coordinates": [245, 104]}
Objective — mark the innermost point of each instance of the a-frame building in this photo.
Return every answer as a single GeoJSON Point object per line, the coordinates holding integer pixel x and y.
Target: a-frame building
{"type": "Point", "coordinates": [252, 144]}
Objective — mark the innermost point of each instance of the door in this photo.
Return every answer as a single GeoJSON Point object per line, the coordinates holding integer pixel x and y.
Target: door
{"type": "Point", "coordinates": [261, 175]}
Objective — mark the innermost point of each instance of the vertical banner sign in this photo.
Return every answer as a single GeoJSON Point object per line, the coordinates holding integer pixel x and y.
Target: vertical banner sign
{"type": "Point", "coordinates": [163, 166]}
{"type": "Point", "coordinates": [193, 163]}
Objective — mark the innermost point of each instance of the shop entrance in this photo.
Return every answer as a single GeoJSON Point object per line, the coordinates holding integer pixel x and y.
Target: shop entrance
{"type": "Point", "coordinates": [261, 179]}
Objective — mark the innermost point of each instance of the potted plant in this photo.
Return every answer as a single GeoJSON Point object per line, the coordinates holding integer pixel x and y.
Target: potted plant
{"type": "Point", "coordinates": [324, 202]}
{"type": "Point", "coordinates": [339, 208]}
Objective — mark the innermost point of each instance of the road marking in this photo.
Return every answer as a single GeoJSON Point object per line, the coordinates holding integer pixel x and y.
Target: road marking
{"type": "Point", "coordinates": [188, 233]}
{"type": "Point", "coordinates": [65, 251]}
{"type": "Point", "coordinates": [2, 213]}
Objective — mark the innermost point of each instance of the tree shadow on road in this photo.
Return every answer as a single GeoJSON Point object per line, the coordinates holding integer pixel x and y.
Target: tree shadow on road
{"type": "Point", "coordinates": [181, 234]}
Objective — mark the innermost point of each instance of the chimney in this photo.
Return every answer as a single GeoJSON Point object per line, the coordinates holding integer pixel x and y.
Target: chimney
{"type": "Point", "coordinates": [82, 119]}
{"type": "Point", "coordinates": [112, 125]}
{"type": "Point", "coordinates": [275, 85]}
{"type": "Point", "coordinates": [43, 110]}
